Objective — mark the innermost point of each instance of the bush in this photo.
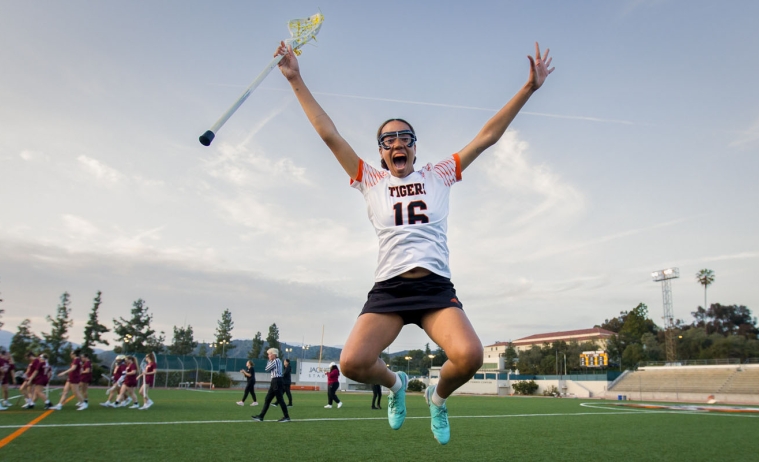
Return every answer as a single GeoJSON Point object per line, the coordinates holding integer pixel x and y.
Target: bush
{"type": "Point", "coordinates": [222, 380]}
{"type": "Point", "coordinates": [525, 388]}
{"type": "Point", "coordinates": [416, 385]}
{"type": "Point", "coordinates": [553, 391]}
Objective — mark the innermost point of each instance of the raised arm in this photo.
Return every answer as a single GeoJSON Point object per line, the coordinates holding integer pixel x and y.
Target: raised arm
{"type": "Point", "coordinates": [316, 115]}
{"type": "Point", "coordinates": [497, 125]}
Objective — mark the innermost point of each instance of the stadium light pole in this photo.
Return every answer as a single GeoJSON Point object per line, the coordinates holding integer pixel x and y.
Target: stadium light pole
{"type": "Point", "coordinates": [408, 364]}
{"type": "Point", "coordinates": [429, 372]}
{"type": "Point", "coordinates": [665, 276]}
{"type": "Point", "coordinates": [288, 351]}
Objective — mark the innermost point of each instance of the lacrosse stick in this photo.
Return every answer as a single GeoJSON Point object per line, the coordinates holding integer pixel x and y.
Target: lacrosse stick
{"type": "Point", "coordinates": [301, 32]}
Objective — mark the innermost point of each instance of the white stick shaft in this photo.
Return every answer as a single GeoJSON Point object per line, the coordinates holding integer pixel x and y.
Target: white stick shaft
{"type": "Point", "coordinates": [223, 119]}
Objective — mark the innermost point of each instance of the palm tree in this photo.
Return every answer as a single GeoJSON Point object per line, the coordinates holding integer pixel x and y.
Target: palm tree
{"type": "Point", "coordinates": [705, 277]}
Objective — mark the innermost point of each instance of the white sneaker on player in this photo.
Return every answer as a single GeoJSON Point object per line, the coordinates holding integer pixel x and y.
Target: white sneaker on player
{"type": "Point", "coordinates": [83, 407]}
{"type": "Point", "coordinates": [254, 403]}
{"type": "Point", "coordinates": [149, 403]}
{"type": "Point", "coordinates": [57, 407]}
{"type": "Point", "coordinates": [328, 406]}
{"type": "Point", "coordinates": [106, 404]}
{"type": "Point", "coordinates": [3, 408]}
{"type": "Point", "coordinates": [128, 402]}
{"type": "Point", "coordinates": [340, 404]}
{"type": "Point", "coordinates": [240, 403]}
{"type": "Point", "coordinates": [134, 406]}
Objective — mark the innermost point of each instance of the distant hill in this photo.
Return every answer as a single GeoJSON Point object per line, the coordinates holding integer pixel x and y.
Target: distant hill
{"type": "Point", "coordinates": [5, 338]}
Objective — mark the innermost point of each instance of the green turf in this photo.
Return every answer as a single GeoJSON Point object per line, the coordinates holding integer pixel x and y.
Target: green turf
{"type": "Point", "coordinates": [186, 425]}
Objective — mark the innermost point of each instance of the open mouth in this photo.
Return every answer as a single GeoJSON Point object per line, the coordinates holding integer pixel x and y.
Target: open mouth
{"type": "Point", "coordinates": [399, 161]}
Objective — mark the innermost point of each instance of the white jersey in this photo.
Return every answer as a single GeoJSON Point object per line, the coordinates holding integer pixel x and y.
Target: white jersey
{"type": "Point", "coordinates": [410, 216]}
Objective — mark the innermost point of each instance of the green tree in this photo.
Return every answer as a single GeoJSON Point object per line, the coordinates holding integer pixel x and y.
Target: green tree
{"type": "Point", "coordinates": [203, 350]}
{"type": "Point", "coordinates": [24, 340]}
{"type": "Point", "coordinates": [93, 330]}
{"type": "Point", "coordinates": [510, 357]}
{"type": "Point", "coordinates": [57, 345]}
{"type": "Point", "coordinates": [272, 340]}
{"type": "Point", "coordinates": [135, 334]}
{"type": "Point", "coordinates": [705, 277]}
{"type": "Point", "coordinates": [184, 341]}
{"type": "Point", "coordinates": [637, 323]}
{"type": "Point", "coordinates": [256, 346]}
{"type": "Point", "coordinates": [224, 334]}
{"type": "Point", "coordinates": [726, 320]}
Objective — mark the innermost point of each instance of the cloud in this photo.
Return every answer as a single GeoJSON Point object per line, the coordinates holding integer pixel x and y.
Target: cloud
{"type": "Point", "coordinates": [747, 138]}
{"type": "Point", "coordinates": [100, 171]}
{"type": "Point", "coordinates": [541, 191]}
{"type": "Point", "coordinates": [32, 156]}
{"type": "Point", "coordinates": [78, 227]}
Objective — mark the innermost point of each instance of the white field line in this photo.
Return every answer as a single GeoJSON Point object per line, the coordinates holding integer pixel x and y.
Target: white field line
{"type": "Point", "coordinates": [354, 419]}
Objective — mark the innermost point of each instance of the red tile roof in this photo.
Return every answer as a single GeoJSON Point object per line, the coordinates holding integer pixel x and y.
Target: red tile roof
{"type": "Point", "coordinates": [578, 335]}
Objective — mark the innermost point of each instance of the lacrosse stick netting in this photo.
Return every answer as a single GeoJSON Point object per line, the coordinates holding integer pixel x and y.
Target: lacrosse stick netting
{"type": "Point", "coordinates": [302, 31]}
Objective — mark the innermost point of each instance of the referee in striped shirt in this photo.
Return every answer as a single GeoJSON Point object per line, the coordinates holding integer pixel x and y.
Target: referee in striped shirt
{"type": "Point", "coordinates": [275, 388]}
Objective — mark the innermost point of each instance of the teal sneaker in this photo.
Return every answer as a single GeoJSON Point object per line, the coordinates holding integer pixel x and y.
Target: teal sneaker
{"type": "Point", "coordinates": [439, 418]}
{"type": "Point", "coordinates": [396, 404]}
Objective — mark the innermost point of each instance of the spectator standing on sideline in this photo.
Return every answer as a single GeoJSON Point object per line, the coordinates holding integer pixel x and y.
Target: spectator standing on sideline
{"type": "Point", "coordinates": [333, 383]}
{"type": "Point", "coordinates": [376, 395]}
{"type": "Point", "coordinates": [250, 374]}
{"type": "Point", "coordinates": [275, 388]}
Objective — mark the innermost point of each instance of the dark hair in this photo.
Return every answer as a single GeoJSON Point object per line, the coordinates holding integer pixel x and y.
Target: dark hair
{"type": "Point", "coordinates": [333, 367]}
{"type": "Point", "coordinates": [379, 132]}
{"type": "Point", "coordinates": [77, 352]}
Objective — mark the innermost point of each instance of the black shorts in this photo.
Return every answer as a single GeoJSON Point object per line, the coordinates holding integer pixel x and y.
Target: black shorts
{"type": "Point", "coordinates": [412, 298]}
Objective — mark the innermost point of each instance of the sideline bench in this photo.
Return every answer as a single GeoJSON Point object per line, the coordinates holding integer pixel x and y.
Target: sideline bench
{"type": "Point", "coordinates": [203, 385]}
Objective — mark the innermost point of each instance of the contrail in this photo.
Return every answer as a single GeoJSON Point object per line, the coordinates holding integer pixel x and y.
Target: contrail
{"type": "Point", "coordinates": [450, 106]}
{"type": "Point", "coordinates": [474, 108]}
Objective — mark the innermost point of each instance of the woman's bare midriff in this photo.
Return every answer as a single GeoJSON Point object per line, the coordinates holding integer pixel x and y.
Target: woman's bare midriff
{"type": "Point", "coordinates": [415, 273]}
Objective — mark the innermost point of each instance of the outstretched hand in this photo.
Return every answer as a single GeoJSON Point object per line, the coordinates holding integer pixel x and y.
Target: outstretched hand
{"type": "Point", "coordinates": [289, 63]}
{"type": "Point", "coordinates": [539, 69]}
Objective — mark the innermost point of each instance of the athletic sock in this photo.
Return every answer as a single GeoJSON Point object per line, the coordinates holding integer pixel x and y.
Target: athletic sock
{"type": "Point", "coordinates": [437, 400]}
{"type": "Point", "coordinates": [398, 384]}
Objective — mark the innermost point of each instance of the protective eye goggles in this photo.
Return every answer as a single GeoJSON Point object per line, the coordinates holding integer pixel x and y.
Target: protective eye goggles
{"type": "Point", "coordinates": [387, 140]}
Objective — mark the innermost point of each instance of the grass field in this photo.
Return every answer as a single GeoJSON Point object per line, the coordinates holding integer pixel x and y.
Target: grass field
{"type": "Point", "coordinates": [188, 425]}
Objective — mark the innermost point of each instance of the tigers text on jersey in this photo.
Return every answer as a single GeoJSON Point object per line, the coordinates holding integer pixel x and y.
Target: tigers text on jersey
{"type": "Point", "coordinates": [410, 216]}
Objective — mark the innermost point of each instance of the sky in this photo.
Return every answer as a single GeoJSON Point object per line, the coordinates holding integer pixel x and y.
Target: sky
{"type": "Point", "coordinates": [640, 152]}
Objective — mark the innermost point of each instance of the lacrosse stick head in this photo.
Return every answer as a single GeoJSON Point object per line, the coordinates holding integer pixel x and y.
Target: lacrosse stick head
{"type": "Point", "coordinates": [303, 30]}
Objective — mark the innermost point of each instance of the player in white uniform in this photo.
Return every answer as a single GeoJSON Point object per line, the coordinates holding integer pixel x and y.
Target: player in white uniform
{"type": "Point", "coordinates": [409, 211]}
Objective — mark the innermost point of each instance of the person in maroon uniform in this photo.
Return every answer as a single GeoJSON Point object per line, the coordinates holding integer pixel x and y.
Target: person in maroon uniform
{"type": "Point", "coordinates": [84, 379]}
{"type": "Point", "coordinates": [118, 374]}
{"type": "Point", "coordinates": [3, 372]}
{"type": "Point", "coordinates": [333, 384]}
{"type": "Point", "coordinates": [148, 379]}
{"type": "Point", "coordinates": [27, 388]}
{"type": "Point", "coordinates": [8, 378]}
{"type": "Point", "coordinates": [72, 382]}
{"type": "Point", "coordinates": [40, 380]}
{"type": "Point", "coordinates": [130, 383]}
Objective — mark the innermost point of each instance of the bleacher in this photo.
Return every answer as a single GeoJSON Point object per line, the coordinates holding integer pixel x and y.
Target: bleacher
{"type": "Point", "coordinates": [744, 381]}
{"type": "Point", "coordinates": [676, 380]}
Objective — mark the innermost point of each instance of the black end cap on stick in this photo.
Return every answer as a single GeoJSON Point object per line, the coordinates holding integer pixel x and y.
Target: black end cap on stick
{"type": "Point", "coordinates": [206, 138]}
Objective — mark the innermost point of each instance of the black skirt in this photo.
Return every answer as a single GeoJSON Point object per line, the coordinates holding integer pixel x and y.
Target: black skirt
{"type": "Point", "coordinates": [412, 298]}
